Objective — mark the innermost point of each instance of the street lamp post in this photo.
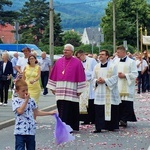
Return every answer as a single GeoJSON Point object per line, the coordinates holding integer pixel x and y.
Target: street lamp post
{"type": "Point", "coordinates": [141, 36]}
{"type": "Point", "coordinates": [114, 27]}
{"type": "Point", "coordinates": [51, 32]}
{"type": "Point", "coordinates": [137, 30]}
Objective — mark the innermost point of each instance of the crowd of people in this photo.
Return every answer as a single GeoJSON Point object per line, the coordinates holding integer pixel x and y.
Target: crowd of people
{"type": "Point", "coordinates": [29, 68]}
{"type": "Point", "coordinates": [25, 72]}
{"type": "Point", "coordinates": [103, 95]}
{"type": "Point", "coordinates": [94, 89]}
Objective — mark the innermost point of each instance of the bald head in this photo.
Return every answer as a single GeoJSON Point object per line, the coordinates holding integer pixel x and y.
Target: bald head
{"type": "Point", "coordinates": [16, 55]}
{"type": "Point", "coordinates": [43, 55]}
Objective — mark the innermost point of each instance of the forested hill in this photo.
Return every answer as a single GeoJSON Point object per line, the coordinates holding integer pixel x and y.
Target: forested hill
{"type": "Point", "coordinates": [82, 14]}
{"type": "Point", "coordinates": [74, 14]}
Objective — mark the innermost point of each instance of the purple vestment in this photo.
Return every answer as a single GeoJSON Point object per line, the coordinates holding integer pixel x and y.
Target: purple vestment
{"type": "Point", "coordinates": [68, 69]}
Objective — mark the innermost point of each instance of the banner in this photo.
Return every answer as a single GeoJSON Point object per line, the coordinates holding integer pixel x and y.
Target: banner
{"type": "Point", "coordinates": [146, 40]}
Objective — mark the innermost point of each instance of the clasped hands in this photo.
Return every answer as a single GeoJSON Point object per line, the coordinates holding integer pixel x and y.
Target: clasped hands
{"type": "Point", "coordinates": [121, 75]}
{"type": "Point", "coordinates": [100, 81]}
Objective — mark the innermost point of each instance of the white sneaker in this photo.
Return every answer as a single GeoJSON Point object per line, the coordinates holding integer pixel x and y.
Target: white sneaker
{"type": "Point", "coordinates": [5, 104]}
{"type": "Point", "coordinates": [1, 103]}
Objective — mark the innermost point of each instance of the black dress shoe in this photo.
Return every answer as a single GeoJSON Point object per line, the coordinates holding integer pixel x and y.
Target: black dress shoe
{"type": "Point", "coordinates": [138, 92]}
{"type": "Point", "coordinates": [45, 93]}
{"type": "Point", "coordinates": [123, 123]}
{"type": "Point", "coordinates": [97, 131]}
{"type": "Point", "coordinates": [111, 129]}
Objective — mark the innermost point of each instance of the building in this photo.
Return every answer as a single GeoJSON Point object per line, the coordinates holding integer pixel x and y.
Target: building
{"type": "Point", "coordinates": [6, 34]}
{"type": "Point", "coordinates": [92, 36]}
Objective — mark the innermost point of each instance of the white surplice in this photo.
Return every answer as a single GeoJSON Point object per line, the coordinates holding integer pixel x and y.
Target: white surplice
{"type": "Point", "coordinates": [126, 85]}
{"type": "Point", "coordinates": [107, 93]}
{"type": "Point", "coordinates": [88, 93]}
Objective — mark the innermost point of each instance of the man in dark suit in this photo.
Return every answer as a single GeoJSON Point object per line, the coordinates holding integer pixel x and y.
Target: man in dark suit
{"type": "Point", "coordinates": [6, 71]}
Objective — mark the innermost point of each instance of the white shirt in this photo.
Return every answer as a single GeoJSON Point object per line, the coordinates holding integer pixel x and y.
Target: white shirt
{"type": "Point", "coordinates": [4, 66]}
{"type": "Point", "coordinates": [45, 64]}
{"type": "Point", "coordinates": [22, 62]}
{"type": "Point", "coordinates": [142, 66]}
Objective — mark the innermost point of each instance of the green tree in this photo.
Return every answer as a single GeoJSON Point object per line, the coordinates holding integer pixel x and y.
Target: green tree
{"type": "Point", "coordinates": [6, 16]}
{"type": "Point", "coordinates": [34, 21]}
{"type": "Point", "coordinates": [34, 18]}
{"type": "Point", "coordinates": [125, 20]}
{"type": "Point", "coordinates": [72, 37]}
{"type": "Point", "coordinates": [57, 32]}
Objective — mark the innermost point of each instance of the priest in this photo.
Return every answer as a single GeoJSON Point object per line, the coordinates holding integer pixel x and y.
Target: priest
{"type": "Point", "coordinates": [127, 74]}
{"type": "Point", "coordinates": [86, 104]}
{"type": "Point", "coordinates": [67, 82]}
{"type": "Point", "coordinates": [107, 97]}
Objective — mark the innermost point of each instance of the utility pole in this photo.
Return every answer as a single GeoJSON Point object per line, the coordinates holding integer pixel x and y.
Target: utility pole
{"type": "Point", "coordinates": [51, 32]}
{"type": "Point", "coordinates": [114, 26]}
{"type": "Point", "coordinates": [137, 30]}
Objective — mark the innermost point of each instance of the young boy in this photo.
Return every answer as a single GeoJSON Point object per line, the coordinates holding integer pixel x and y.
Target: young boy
{"type": "Point", "coordinates": [24, 107]}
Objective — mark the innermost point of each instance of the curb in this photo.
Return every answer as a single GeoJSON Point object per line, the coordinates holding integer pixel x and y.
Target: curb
{"type": "Point", "coordinates": [11, 122]}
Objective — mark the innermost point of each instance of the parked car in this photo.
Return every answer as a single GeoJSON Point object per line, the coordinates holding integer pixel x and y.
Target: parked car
{"type": "Point", "coordinates": [55, 56]}
{"type": "Point", "coordinates": [19, 47]}
{"type": "Point", "coordinates": [11, 54]}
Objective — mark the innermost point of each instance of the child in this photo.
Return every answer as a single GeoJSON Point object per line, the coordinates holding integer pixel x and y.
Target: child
{"type": "Point", "coordinates": [25, 126]}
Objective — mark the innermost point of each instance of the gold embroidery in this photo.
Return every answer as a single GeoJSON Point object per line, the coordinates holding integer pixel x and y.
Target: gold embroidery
{"type": "Point", "coordinates": [123, 92]}
{"type": "Point", "coordinates": [83, 103]}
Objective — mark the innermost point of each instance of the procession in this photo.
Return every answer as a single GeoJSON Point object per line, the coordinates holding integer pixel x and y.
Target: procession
{"type": "Point", "coordinates": [88, 91]}
{"type": "Point", "coordinates": [74, 75]}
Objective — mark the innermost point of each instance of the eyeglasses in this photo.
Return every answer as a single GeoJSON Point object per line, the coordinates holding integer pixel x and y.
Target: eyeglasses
{"type": "Point", "coordinates": [67, 50]}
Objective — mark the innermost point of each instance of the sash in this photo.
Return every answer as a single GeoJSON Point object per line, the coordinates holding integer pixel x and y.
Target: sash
{"type": "Point", "coordinates": [84, 97]}
{"type": "Point", "coordinates": [108, 100]}
{"type": "Point", "coordinates": [122, 67]}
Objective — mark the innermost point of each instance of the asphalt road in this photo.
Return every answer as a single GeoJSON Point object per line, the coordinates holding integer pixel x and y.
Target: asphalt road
{"type": "Point", "coordinates": [135, 137]}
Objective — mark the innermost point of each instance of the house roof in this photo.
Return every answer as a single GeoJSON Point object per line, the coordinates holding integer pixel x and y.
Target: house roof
{"type": "Point", "coordinates": [6, 34]}
{"type": "Point", "coordinates": [94, 34]}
